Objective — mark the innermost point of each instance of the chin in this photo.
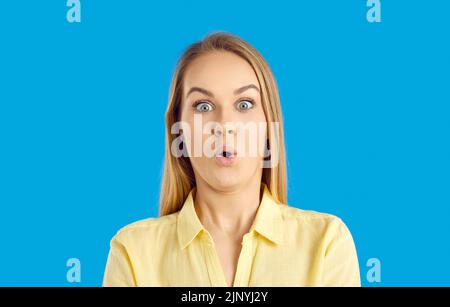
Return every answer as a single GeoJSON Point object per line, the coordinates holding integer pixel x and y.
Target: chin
{"type": "Point", "coordinates": [224, 181]}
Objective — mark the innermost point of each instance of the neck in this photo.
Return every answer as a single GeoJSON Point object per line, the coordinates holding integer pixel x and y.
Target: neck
{"type": "Point", "coordinates": [230, 212]}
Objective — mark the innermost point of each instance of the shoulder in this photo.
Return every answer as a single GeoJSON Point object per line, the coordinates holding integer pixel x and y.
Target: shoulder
{"type": "Point", "coordinates": [156, 227]}
{"type": "Point", "coordinates": [314, 221]}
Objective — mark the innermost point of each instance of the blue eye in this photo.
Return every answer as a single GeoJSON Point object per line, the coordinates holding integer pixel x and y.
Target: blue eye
{"type": "Point", "coordinates": [244, 105]}
{"type": "Point", "coordinates": [204, 107]}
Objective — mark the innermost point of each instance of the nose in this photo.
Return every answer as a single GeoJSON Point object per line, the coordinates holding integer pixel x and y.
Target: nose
{"type": "Point", "coordinates": [224, 122]}
{"type": "Point", "coordinates": [220, 129]}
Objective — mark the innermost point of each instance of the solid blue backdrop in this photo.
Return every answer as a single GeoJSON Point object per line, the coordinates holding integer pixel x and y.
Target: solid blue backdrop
{"type": "Point", "coordinates": [366, 110]}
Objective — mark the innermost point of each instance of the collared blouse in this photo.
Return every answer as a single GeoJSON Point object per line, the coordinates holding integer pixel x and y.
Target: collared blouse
{"type": "Point", "coordinates": [285, 246]}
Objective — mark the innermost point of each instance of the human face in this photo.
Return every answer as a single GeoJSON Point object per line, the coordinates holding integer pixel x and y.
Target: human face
{"type": "Point", "coordinates": [221, 93]}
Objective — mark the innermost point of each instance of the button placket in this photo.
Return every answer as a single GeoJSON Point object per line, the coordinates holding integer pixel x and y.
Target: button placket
{"type": "Point", "coordinates": [215, 271]}
{"type": "Point", "coordinates": [245, 261]}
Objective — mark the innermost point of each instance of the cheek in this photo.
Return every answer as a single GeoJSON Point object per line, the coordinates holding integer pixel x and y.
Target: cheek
{"type": "Point", "coordinates": [255, 138]}
{"type": "Point", "coordinates": [256, 144]}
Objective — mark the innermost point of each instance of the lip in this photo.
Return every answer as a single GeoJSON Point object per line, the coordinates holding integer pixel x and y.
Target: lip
{"type": "Point", "coordinates": [226, 161]}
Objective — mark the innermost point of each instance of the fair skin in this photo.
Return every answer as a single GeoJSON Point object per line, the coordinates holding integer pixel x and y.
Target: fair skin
{"type": "Point", "coordinates": [223, 88]}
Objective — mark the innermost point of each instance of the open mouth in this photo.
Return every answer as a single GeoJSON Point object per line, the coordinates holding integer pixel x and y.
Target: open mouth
{"type": "Point", "coordinates": [226, 156]}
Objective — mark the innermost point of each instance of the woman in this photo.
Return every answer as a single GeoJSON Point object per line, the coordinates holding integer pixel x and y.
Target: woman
{"type": "Point", "coordinates": [224, 219]}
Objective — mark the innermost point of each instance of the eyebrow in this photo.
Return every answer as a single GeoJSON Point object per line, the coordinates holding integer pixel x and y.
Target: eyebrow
{"type": "Point", "coordinates": [200, 90]}
{"type": "Point", "coordinates": [208, 93]}
{"type": "Point", "coordinates": [244, 88]}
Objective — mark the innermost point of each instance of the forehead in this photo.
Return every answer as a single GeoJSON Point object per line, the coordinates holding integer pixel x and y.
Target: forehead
{"type": "Point", "coordinates": [219, 71]}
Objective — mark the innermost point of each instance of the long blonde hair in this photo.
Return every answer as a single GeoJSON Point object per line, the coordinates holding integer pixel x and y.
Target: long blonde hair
{"type": "Point", "coordinates": [178, 176]}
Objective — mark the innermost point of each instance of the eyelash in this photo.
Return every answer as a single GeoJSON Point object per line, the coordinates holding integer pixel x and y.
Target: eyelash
{"type": "Point", "coordinates": [197, 102]}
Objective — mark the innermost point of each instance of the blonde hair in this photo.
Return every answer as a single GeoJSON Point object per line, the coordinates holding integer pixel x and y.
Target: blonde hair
{"type": "Point", "coordinates": [178, 176]}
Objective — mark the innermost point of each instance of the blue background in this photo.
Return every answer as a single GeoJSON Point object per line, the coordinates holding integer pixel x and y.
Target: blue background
{"type": "Point", "coordinates": [366, 109]}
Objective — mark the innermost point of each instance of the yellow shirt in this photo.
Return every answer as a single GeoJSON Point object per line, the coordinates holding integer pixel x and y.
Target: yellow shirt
{"type": "Point", "coordinates": [285, 246]}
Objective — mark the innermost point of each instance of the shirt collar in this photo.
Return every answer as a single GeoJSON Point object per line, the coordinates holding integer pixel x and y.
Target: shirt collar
{"type": "Point", "coordinates": [267, 220]}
